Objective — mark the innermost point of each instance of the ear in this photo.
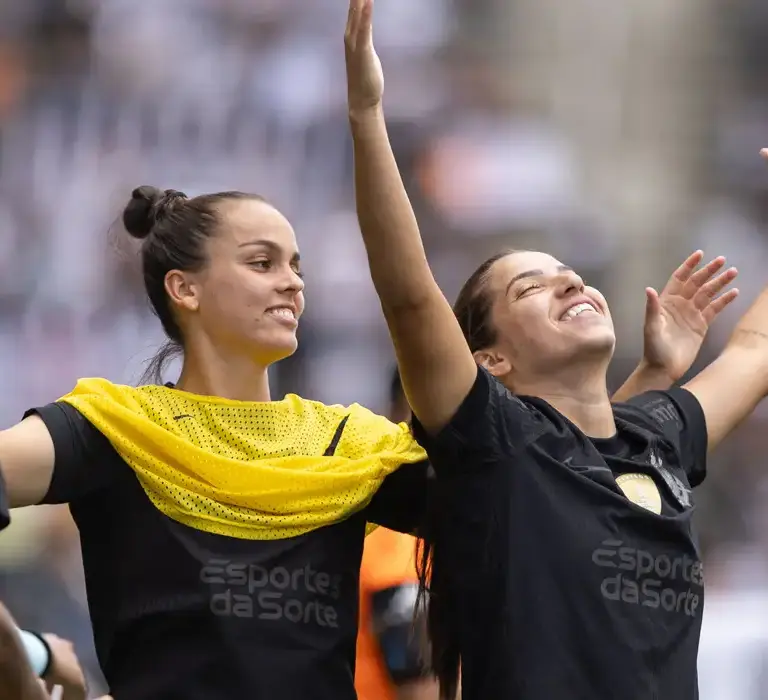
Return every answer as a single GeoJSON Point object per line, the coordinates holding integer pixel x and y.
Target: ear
{"type": "Point", "coordinates": [498, 365]}
{"type": "Point", "coordinates": [182, 289]}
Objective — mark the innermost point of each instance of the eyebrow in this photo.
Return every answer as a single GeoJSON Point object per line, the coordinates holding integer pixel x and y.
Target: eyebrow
{"type": "Point", "coordinates": [534, 273]}
{"type": "Point", "coordinates": [271, 245]}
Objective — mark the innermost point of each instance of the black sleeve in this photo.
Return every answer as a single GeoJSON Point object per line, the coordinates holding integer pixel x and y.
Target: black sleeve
{"type": "Point", "coordinates": [490, 423]}
{"type": "Point", "coordinates": [5, 515]}
{"type": "Point", "coordinates": [678, 416]}
{"type": "Point", "coordinates": [79, 469]}
{"type": "Point", "coordinates": [393, 618]}
{"type": "Point", "coordinates": [400, 504]}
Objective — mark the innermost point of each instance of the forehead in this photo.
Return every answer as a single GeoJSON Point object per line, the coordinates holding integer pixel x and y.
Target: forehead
{"type": "Point", "coordinates": [510, 266]}
{"type": "Point", "coordinates": [248, 220]}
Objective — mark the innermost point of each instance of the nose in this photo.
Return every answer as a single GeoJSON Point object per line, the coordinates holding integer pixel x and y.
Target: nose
{"type": "Point", "coordinates": [569, 283]}
{"type": "Point", "coordinates": [292, 282]}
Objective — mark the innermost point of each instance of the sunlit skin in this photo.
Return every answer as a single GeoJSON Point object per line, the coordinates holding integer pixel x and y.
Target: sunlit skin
{"type": "Point", "coordinates": [240, 313]}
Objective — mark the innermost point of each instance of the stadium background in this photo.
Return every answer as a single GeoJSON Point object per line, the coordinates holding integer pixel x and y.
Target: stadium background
{"type": "Point", "coordinates": [618, 136]}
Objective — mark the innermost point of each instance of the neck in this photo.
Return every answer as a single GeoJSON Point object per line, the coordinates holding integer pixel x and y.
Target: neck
{"type": "Point", "coordinates": [582, 397]}
{"type": "Point", "coordinates": [209, 373]}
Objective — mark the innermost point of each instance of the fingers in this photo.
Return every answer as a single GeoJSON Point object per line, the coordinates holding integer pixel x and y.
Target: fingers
{"type": "Point", "coordinates": [709, 290]}
{"type": "Point", "coordinates": [716, 306]}
{"type": "Point", "coordinates": [653, 303]}
{"type": "Point", "coordinates": [702, 277]}
{"type": "Point", "coordinates": [764, 153]}
{"type": "Point", "coordinates": [359, 22]}
{"type": "Point", "coordinates": [353, 18]}
{"type": "Point", "coordinates": [684, 272]}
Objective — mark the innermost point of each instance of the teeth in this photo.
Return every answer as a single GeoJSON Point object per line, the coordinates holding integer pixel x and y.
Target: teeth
{"type": "Point", "coordinates": [283, 313]}
{"type": "Point", "coordinates": [575, 311]}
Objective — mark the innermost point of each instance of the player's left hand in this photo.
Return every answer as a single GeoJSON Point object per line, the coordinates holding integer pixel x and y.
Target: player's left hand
{"type": "Point", "coordinates": [65, 670]}
{"type": "Point", "coordinates": [365, 78]}
{"type": "Point", "coordinates": [677, 320]}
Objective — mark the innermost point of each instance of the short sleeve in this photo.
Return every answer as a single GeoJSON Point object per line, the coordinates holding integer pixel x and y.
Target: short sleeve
{"type": "Point", "coordinates": [400, 504]}
{"type": "Point", "coordinates": [5, 513]}
{"type": "Point", "coordinates": [491, 423]}
{"type": "Point", "coordinates": [79, 468]}
{"type": "Point", "coordinates": [679, 417]}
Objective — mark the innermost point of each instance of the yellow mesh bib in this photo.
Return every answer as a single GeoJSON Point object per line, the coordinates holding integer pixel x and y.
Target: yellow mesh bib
{"type": "Point", "coordinates": [245, 469]}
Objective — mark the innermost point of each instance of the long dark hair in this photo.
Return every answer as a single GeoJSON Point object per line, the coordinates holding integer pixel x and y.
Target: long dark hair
{"type": "Point", "coordinates": [436, 594]}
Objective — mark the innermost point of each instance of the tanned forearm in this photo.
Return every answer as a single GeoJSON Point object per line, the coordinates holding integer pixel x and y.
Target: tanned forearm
{"type": "Point", "coordinates": [736, 382]}
{"type": "Point", "coordinates": [643, 378]}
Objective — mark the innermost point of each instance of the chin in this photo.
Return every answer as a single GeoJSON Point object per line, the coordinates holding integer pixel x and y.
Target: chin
{"type": "Point", "coordinates": [600, 343]}
{"type": "Point", "coordinates": [275, 349]}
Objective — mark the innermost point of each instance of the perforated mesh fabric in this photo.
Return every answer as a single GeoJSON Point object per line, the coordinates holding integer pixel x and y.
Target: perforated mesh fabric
{"type": "Point", "coordinates": [245, 469]}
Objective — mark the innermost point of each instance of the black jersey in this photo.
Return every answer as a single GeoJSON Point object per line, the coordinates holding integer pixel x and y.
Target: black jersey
{"type": "Point", "coordinates": [574, 567]}
{"type": "Point", "coordinates": [181, 614]}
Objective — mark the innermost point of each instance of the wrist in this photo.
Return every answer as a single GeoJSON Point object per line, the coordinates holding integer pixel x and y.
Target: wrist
{"type": "Point", "coordinates": [655, 374]}
{"type": "Point", "coordinates": [38, 652]}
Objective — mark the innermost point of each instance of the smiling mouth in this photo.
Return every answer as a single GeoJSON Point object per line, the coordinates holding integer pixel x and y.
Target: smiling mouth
{"type": "Point", "coordinates": [578, 310]}
{"type": "Point", "coordinates": [283, 313]}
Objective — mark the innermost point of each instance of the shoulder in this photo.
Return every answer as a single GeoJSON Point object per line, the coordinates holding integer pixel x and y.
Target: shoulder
{"type": "Point", "coordinates": [671, 411]}
{"type": "Point", "coordinates": [312, 409]}
{"type": "Point", "coordinates": [97, 386]}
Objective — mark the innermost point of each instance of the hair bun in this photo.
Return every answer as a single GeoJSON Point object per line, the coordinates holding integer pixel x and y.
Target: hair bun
{"type": "Point", "coordinates": [140, 213]}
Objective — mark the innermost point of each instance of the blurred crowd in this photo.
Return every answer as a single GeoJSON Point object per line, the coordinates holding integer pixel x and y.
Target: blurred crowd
{"type": "Point", "coordinates": [100, 96]}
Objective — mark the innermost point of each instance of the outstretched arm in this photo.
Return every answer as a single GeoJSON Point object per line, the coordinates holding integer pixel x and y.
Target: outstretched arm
{"type": "Point", "coordinates": [730, 388]}
{"type": "Point", "coordinates": [435, 362]}
{"type": "Point", "coordinates": [676, 323]}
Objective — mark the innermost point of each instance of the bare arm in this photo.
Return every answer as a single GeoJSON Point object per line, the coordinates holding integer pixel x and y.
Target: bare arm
{"type": "Point", "coordinates": [436, 365]}
{"type": "Point", "coordinates": [26, 461]}
{"type": "Point", "coordinates": [17, 680]}
{"type": "Point", "coordinates": [643, 378]}
{"type": "Point", "coordinates": [730, 388]}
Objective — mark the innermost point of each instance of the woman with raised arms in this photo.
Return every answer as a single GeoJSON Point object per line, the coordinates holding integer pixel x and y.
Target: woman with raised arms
{"type": "Point", "coordinates": [564, 562]}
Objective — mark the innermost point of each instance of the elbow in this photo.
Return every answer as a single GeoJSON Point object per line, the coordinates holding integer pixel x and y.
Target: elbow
{"type": "Point", "coordinates": [406, 307]}
{"type": "Point", "coordinates": [415, 300]}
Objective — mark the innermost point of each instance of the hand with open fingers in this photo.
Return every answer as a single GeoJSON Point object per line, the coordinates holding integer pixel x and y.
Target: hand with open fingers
{"type": "Point", "coordinates": [365, 77]}
{"type": "Point", "coordinates": [677, 320]}
{"type": "Point", "coordinates": [65, 670]}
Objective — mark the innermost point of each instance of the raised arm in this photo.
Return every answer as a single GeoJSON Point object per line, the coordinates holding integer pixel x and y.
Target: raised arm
{"type": "Point", "coordinates": [676, 323]}
{"type": "Point", "coordinates": [436, 365]}
{"type": "Point", "coordinates": [730, 388]}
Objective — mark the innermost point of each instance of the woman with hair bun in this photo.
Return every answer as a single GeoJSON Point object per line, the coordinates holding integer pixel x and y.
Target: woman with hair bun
{"type": "Point", "coordinates": [222, 530]}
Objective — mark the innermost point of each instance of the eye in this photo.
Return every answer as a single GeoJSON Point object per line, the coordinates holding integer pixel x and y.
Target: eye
{"type": "Point", "coordinates": [298, 271]}
{"type": "Point", "coordinates": [261, 265]}
{"type": "Point", "coordinates": [529, 287]}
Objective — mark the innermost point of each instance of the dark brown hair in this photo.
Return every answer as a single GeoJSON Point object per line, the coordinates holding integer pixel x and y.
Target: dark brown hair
{"type": "Point", "coordinates": [174, 230]}
{"type": "Point", "coordinates": [436, 591]}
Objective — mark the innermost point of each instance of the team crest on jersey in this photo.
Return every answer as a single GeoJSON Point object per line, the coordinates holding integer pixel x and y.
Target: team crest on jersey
{"type": "Point", "coordinates": [641, 489]}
